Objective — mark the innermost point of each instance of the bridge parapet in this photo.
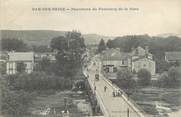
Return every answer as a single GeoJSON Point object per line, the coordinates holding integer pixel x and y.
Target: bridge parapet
{"type": "Point", "coordinates": [137, 109]}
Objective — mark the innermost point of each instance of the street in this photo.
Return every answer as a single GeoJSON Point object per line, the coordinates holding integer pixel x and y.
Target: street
{"type": "Point", "coordinates": [111, 106]}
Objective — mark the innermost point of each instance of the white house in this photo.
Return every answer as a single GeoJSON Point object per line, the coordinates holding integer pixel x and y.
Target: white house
{"type": "Point", "coordinates": [139, 58]}
{"type": "Point", "coordinates": [15, 58]}
{"type": "Point", "coordinates": [142, 59]}
{"type": "Point", "coordinates": [143, 63]}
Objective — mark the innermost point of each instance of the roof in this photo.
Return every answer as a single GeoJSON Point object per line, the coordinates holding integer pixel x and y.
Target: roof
{"type": "Point", "coordinates": [114, 54]}
{"type": "Point", "coordinates": [173, 56]}
{"type": "Point", "coordinates": [141, 57]}
{"type": "Point", "coordinates": [139, 51]}
{"type": "Point", "coordinates": [21, 56]}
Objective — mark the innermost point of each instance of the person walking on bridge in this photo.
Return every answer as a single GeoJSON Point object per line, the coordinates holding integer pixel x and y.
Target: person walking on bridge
{"type": "Point", "coordinates": [105, 88]}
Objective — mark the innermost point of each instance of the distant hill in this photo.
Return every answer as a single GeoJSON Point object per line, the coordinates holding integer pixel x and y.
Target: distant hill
{"type": "Point", "coordinates": [165, 35]}
{"type": "Point", "coordinates": [43, 37]}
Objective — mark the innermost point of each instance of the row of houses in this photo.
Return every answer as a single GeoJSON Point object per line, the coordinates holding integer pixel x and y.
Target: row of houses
{"type": "Point", "coordinates": [139, 58]}
{"type": "Point", "coordinates": [29, 59]}
{"type": "Point", "coordinates": [112, 60]}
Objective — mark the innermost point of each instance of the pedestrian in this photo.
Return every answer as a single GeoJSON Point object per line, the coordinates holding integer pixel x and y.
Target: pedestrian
{"type": "Point", "coordinates": [105, 88]}
{"type": "Point", "coordinates": [94, 88]}
{"type": "Point", "coordinates": [113, 94]}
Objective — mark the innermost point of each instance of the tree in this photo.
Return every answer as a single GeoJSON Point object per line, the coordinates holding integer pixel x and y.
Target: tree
{"type": "Point", "coordinates": [125, 78]}
{"type": "Point", "coordinates": [44, 64]}
{"type": "Point", "coordinates": [2, 68]}
{"type": "Point", "coordinates": [174, 77]}
{"type": "Point", "coordinates": [157, 45]}
{"type": "Point", "coordinates": [59, 43]}
{"type": "Point", "coordinates": [69, 53]}
{"type": "Point", "coordinates": [40, 48]}
{"type": "Point", "coordinates": [109, 44]}
{"type": "Point", "coordinates": [144, 77]}
{"type": "Point", "coordinates": [101, 46]}
{"type": "Point", "coordinates": [163, 80]}
{"type": "Point", "coordinates": [161, 66]}
{"type": "Point", "coordinates": [38, 81]}
{"type": "Point", "coordinates": [15, 103]}
{"type": "Point", "coordinates": [170, 79]}
{"type": "Point", "coordinates": [13, 45]}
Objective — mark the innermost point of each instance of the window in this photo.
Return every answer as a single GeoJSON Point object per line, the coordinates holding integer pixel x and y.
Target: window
{"type": "Point", "coordinates": [114, 69]}
{"type": "Point", "coordinates": [123, 62]}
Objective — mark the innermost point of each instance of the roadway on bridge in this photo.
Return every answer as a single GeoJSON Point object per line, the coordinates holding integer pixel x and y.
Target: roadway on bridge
{"type": "Point", "coordinates": [111, 106]}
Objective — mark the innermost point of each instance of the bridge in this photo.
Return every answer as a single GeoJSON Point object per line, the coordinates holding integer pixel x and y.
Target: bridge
{"type": "Point", "coordinates": [120, 106]}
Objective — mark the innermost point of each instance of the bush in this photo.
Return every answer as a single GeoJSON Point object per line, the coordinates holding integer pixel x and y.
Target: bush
{"type": "Point", "coordinates": [2, 68]}
{"type": "Point", "coordinates": [14, 102]}
{"type": "Point", "coordinates": [144, 77]}
{"type": "Point", "coordinates": [170, 79]}
{"type": "Point", "coordinates": [125, 79]}
{"type": "Point", "coordinates": [39, 81]}
{"type": "Point", "coordinates": [162, 65]}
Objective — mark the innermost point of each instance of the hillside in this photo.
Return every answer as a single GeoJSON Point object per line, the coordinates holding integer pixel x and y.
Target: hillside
{"type": "Point", "coordinates": [43, 37]}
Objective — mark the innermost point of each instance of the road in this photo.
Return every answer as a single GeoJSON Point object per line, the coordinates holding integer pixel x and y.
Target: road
{"type": "Point", "coordinates": [110, 106]}
{"type": "Point", "coordinates": [175, 114]}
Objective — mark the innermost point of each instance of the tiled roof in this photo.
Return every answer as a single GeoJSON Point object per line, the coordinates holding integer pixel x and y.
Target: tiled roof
{"type": "Point", "coordinates": [172, 56]}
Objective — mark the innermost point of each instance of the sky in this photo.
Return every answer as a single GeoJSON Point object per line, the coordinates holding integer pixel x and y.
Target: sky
{"type": "Point", "coordinates": [151, 17]}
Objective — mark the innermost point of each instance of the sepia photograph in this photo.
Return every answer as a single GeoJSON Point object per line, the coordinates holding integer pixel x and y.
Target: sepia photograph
{"type": "Point", "coordinates": [90, 58]}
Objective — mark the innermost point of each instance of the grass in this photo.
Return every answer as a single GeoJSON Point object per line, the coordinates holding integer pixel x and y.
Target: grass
{"type": "Point", "coordinates": [56, 102]}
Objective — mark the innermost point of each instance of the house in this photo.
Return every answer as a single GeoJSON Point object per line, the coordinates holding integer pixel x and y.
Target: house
{"type": "Point", "coordinates": [113, 59]}
{"type": "Point", "coordinates": [17, 58]}
{"type": "Point", "coordinates": [139, 58]}
{"type": "Point", "coordinates": [142, 59]}
{"type": "Point", "coordinates": [143, 62]}
{"type": "Point", "coordinates": [172, 57]}
{"type": "Point", "coordinates": [49, 55]}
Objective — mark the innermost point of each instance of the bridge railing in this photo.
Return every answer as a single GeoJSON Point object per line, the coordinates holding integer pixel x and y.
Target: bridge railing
{"type": "Point", "coordinates": [128, 100]}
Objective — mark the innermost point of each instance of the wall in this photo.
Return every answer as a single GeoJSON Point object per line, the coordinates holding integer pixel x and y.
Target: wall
{"type": "Point", "coordinates": [11, 67]}
{"type": "Point", "coordinates": [144, 64]}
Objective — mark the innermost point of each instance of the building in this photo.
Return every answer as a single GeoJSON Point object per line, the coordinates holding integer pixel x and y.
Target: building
{"type": "Point", "coordinates": [142, 59]}
{"type": "Point", "coordinates": [17, 58]}
{"type": "Point", "coordinates": [49, 55]}
{"type": "Point", "coordinates": [174, 56]}
{"type": "Point", "coordinates": [139, 58]}
{"type": "Point", "coordinates": [113, 60]}
{"type": "Point", "coordinates": [143, 62]}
